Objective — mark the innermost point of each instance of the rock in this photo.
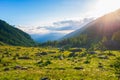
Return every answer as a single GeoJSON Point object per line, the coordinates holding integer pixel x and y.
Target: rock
{"type": "Point", "coordinates": [40, 62]}
{"type": "Point", "coordinates": [72, 55]}
{"type": "Point", "coordinates": [17, 67]}
{"type": "Point", "coordinates": [24, 57]}
{"type": "Point", "coordinates": [110, 54]}
{"type": "Point", "coordinates": [24, 68]}
{"type": "Point", "coordinates": [61, 49]}
{"type": "Point", "coordinates": [103, 57]}
{"type": "Point", "coordinates": [41, 53]}
{"type": "Point", "coordinates": [45, 78]}
{"type": "Point", "coordinates": [100, 65]}
{"type": "Point", "coordinates": [92, 52]}
{"type": "Point", "coordinates": [61, 68]}
{"type": "Point", "coordinates": [79, 68]}
{"type": "Point", "coordinates": [20, 67]}
{"type": "Point", "coordinates": [61, 57]}
{"type": "Point", "coordinates": [6, 69]}
{"type": "Point", "coordinates": [38, 54]}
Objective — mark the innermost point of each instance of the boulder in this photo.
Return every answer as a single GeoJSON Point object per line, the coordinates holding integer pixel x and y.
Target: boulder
{"type": "Point", "coordinates": [72, 54]}
{"type": "Point", "coordinates": [41, 53]}
{"type": "Point", "coordinates": [61, 57]}
{"type": "Point", "coordinates": [92, 52]}
{"type": "Point", "coordinates": [24, 68]}
{"type": "Point", "coordinates": [79, 68]}
{"type": "Point", "coordinates": [24, 57]}
{"type": "Point", "coordinates": [45, 78]}
{"type": "Point", "coordinates": [17, 67]}
{"type": "Point", "coordinates": [20, 67]}
{"type": "Point", "coordinates": [6, 69]}
{"type": "Point", "coordinates": [103, 57]}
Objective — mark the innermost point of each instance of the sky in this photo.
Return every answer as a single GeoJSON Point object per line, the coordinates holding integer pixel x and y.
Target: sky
{"type": "Point", "coordinates": [44, 12]}
{"type": "Point", "coordinates": [40, 12]}
{"type": "Point", "coordinates": [56, 18]}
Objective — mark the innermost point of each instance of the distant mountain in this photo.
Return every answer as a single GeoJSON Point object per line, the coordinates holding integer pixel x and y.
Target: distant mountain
{"type": "Point", "coordinates": [55, 31]}
{"type": "Point", "coordinates": [13, 36]}
{"type": "Point", "coordinates": [106, 27]}
{"type": "Point", "coordinates": [46, 37]}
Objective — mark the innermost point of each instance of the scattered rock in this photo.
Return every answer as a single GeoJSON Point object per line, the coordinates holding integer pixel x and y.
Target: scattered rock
{"type": "Point", "coordinates": [45, 78]}
{"type": "Point", "coordinates": [92, 52]}
{"type": "Point", "coordinates": [103, 57]}
{"type": "Point", "coordinates": [6, 69]}
{"type": "Point", "coordinates": [41, 53]}
{"type": "Point", "coordinates": [24, 57]}
{"type": "Point", "coordinates": [5, 64]}
{"type": "Point", "coordinates": [60, 68]}
{"type": "Point", "coordinates": [61, 49]}
{"type": "Point", "coordinates": [40, 62]}
{"type": "Point", "coordinates": [110, 54]}
{"type": "Point", "coordinates": [51, 52]}
{"type": "Point", "coordinates": [48, 68]}
{"type": "Point", "coordinates": [17, 67]}
{"type": "Point", "coordinates": [72, 55]}
{"type": "Point", "coordinates": [61, 57]}
{"type": "Point", "coordinates": [24, 68]}
{"type": "Point", "coordinates": [100, 65]}
{"type": "Point", "coordinates": [76, 50]}
{"type": "Point", "coordinates": [20, 67]}
{"type": "Point", "coordinates": [79, 68]}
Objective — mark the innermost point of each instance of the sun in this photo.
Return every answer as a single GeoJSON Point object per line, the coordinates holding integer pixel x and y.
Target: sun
{"type": "Point", "coordinates": [102, 7]}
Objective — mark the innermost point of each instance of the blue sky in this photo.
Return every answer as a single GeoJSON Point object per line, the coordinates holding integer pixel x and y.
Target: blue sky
{"type": "Point", "coordinates": [38, 12]}
{"type": "Point", "coordinates": [39, 17]}
{"type": "Point", "coordinates": [43, 12]}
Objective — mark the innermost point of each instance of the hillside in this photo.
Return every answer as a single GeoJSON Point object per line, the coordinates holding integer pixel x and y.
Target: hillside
{"type": "Point", "coordinates": [106, 27]}
{"type": "Point", "coordinates": [13, 36]}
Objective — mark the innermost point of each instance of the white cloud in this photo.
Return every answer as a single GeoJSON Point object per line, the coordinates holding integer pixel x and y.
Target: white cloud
{"type": "Point", "coordinates": [56, 30]}
{"type": "Point", "coordinates": [34, 30]}
{"type": "Point", "coordinates": [63, 27]}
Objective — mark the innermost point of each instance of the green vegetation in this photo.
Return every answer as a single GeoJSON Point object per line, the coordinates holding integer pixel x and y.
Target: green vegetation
{"type": "Point", "coordinates": [37, 63]}
{"type": "Point", "coordinates": [13, 36]}
{"type": "Point", "coordinates": [86, 41]}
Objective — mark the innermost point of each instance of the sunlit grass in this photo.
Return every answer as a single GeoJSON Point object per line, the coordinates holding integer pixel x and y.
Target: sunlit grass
{"type": "Point", "coordinates": [91, 66]}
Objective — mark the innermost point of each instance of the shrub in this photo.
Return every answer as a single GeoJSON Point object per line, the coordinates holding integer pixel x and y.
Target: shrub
{"type": "Point", "coordinates": [86, 62]}
{"type": "Point", "coordinates": [116, 66]}
{"type": "Point", "coordinates": [42, 64]}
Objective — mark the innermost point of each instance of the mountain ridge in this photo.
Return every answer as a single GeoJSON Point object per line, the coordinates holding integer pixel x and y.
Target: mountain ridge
{"type": "Point", "coordinates": [106, 26]}
{"type": "Point", "coordinates": [14, 36]}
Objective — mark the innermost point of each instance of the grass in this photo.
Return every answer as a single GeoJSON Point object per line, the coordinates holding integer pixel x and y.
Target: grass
{"type": "Point", "coordinates": [28, 63]}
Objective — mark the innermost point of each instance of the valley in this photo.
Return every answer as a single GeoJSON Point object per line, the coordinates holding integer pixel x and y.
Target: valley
{"type": "Point", "coordinates": [60, 40]}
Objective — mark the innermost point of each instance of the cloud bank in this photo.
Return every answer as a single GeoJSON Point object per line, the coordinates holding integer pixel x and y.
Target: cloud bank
{"type": "Point", "coordinates": [54, 31]}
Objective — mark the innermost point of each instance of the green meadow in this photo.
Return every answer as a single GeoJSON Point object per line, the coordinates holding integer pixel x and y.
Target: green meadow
{"type": "Point", "coordinates": [48, 63]}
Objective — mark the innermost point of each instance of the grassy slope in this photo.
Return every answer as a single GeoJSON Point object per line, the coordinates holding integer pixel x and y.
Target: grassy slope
{"type": "Point", "coordinates": [58, 69]}
{"type": "Point", "coordinates": [14, 36]}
